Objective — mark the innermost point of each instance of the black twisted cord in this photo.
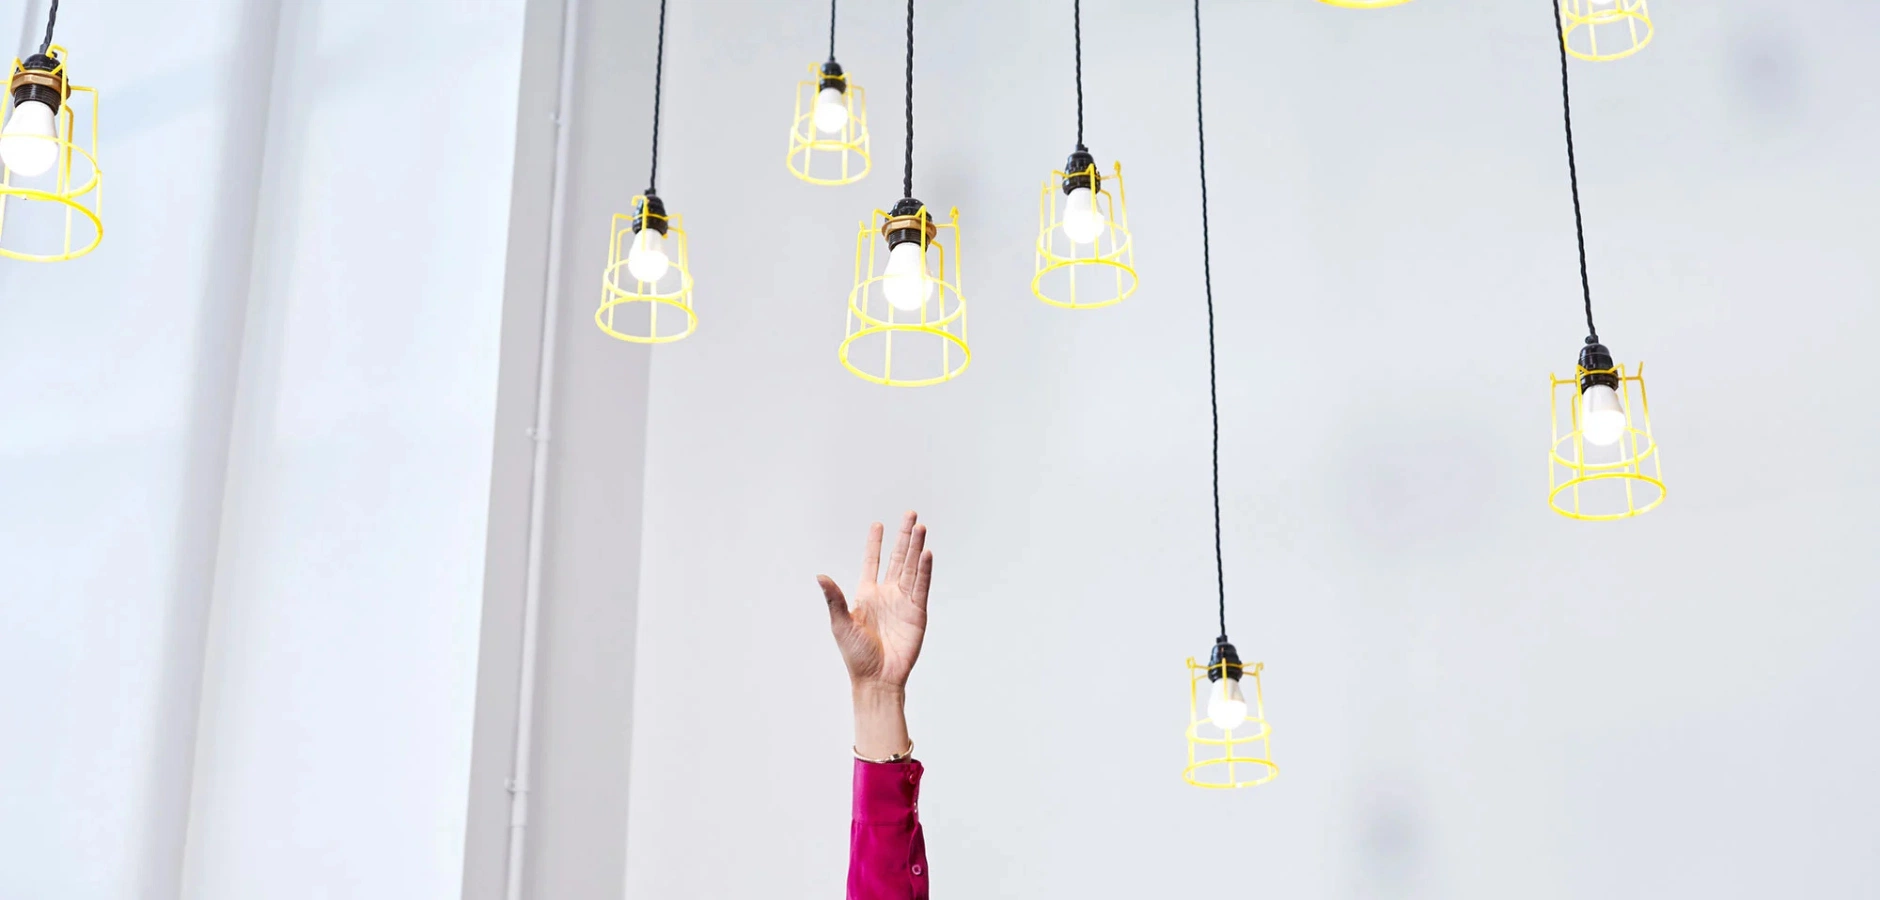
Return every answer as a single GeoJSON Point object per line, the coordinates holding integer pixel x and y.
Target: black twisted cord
{"type": "Point", "coordinates": [52, 17]}
{"type": "Point", "coordinates": [1077, 42]}
{"type": "Point", "coordinates": [832, 30]}
{"type": "Point", "coordinates": [1573, 175]}
{"type": "Point", "coordinates": [907, 176]}
{"type": "Point", "coordinates": [1207, 284]}
{"type": "Point", "coordinates": [659, 67]}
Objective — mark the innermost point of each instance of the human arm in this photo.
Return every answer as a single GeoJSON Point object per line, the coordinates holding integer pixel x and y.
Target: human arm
{"type": "Point", "coordinates": [879, 631]}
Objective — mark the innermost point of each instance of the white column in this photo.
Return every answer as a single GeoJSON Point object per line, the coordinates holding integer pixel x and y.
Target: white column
{"type": "Point", "coordinates": [334, 746]}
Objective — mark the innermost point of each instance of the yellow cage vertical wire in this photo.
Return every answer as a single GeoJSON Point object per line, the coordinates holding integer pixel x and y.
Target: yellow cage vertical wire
{"type": "Point", "coordinates": [1229, 742]}
{"type": "Point", "coordinates": [1600, 30]}
{"type": "Point", "coordinates": [649, 267]}
{"type": "Point", "coordinates": [1084, 258]}
{"type": "Point", "coordinates": [1603, 461]}
{"type": "Point", "coordinates": [906, 318]}
{"type": "Point", "coordinates": [829, 132]}
{"type": "Point", "coordinates": [51, 187]}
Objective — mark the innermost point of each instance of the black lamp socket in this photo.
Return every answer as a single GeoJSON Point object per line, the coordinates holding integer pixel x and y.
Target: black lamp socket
{"type": "Point", "coordinates": [1224, 660]}
{"type": "Point", "coordinates": [832, 77]}
{"type": "Point", "coordinates": [50, 96]}
{"type": "Point", "coordinates": [651, 214]}
{"type": "Point", "coordinates": [907, 206]}
{"type": "Point", "coordinates": [1080, 171]}
{"type": "Point", "coordinates": [1597, 366]}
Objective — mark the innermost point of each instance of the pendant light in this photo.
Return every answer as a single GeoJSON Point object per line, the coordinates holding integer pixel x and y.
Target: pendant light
{"type": "Point", "coordinates": [906, 318]}
{"type": "Point", "coordinates": [1083, 228]}
{"type": "Point", "coordinates": [647, 265]}
{"type": "Point", "coordinates": [49, 159]}
{"type": "Point", "coordinates": [1229, 742]}
{"type": "Point", "coordinates": [1603, 463]}
{"type": "Point", "coordinates": [829, 134]}
{"type": "Point", "coordinates": [1600, 30]}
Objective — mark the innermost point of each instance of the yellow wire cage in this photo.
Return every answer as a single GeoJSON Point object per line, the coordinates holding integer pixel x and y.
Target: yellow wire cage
{"type": "Point", "coordinates": [1106, 263]}
{"type": "Point", "coordinates": [1364, 4]}
{"type": "Point", "coordinates": [1227, 758]}
{"type": "Point", "coordinates": [889, 343]}
{"type": "Point", "coordinates": [1597, 483]}
{"type": "Point", "coordinates": [837, 156]}
{"type": "Point", "coordinates": [630, 307]}
{"type": "Point", "coordinates": [1600, 30]}
{"type": "Point", "coordinates": [54, 216]}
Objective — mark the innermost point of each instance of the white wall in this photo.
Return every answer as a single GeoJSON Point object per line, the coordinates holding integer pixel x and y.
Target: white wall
{"type": "Point", "coordinates": [340, 679]}
{"type": "Point", "coordinates": [120, 371]}
{"type": "Point", "coordinates": [1472, 697]}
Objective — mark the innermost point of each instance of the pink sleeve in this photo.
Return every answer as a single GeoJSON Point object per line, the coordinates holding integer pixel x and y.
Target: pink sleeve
{"type": "Point", "coordinates": [887, 853]}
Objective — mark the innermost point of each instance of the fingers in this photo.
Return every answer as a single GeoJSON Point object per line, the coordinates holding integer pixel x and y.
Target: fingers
{"type": "Point", "coordinates": [900, 547]}
{"type": "Point", "coordinates": [838, 604]}
{"type": "Point", "coordinates": [922, 579]}
{"type": "Point", "coordinates": [905, 578]}
{"type": "Point", "coordinates": [871, 556]}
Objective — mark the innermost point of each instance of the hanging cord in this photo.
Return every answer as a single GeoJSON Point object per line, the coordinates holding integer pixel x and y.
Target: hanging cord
{"type": "Point", "coordinates": [1207, 284]}
{"type": "Point", "coordinates": [832, 30]}
{"type": "Point", "coordinates": [52, 17]}
{"type": "Point", "coordinates": [907, 176]}
{"type": "Point", "coordinates": [659, 67]}
{"type": "Point", "coordinates": [1077, 43]}
{"type": "Point", "coordinates": [1573, 175]}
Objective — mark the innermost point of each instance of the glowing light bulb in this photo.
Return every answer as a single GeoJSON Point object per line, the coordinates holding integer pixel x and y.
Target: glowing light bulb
{"type": "Point", "coordinates": [28, 144]}
{"type": "Point", "coordinates": [1082, 222]}
{"type": "Point", "coordinates": [831, 112]}
{"type": "Point", "coordinates": [906, 283]}
{"type": "Point", "coordinates": [1602, 419]}
{"type": "Point", "coordinates": [647, 259]}
{"type": "Point", "coordinates": [1227, 706]}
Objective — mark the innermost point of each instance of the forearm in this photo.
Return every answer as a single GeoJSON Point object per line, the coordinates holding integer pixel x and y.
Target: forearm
{"type": "Point", "coordinates": [880, 723]}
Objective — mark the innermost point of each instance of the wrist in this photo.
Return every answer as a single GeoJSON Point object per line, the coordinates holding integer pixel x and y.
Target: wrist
{"type": "Point", "coordinates": [880, 725]}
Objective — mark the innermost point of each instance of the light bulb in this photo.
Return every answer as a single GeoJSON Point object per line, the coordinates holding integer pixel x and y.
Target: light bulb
{"type": "Point", "coordinates": [647, 259]}
{"type": "Point", "coordinates": [1227, 706]}
{"type": "Point", "coordinates": [1602, 419]}
{"type": "Point", "coordinates": [1082, 222]}
{"type": "Point", "coordinates": [28, 145]}
{"type": "Point", "coordinates": [831, 112]}
{"type": "Point", "coordinates": [906, 283]}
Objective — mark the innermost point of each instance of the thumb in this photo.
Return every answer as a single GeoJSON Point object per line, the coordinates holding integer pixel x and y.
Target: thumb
{"type": "Point", "coordinates": [838, 604]}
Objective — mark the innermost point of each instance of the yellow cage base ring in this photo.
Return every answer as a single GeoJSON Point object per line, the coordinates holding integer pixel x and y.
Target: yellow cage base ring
{"type": "Point", "coordinates": [616, 299]}
{"type": "Point", "coordinates": [829, 158]}
{"type": "Point", "coordinates": [1221, 759]}
{"type": "Point", "coordinates": [920, 332]}
{"type": "Point", "coordinates": [1603, 33]}
{"type": "Point", "coordinates": [1092, 275]}
{"type": "Point", "coordinates": [62, 206]}
{"type": "Point", "coordinates": [1565, 506]}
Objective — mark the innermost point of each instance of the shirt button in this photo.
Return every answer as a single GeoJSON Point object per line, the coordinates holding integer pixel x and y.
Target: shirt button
{"type": "Point", "coordinates": [917, 868]}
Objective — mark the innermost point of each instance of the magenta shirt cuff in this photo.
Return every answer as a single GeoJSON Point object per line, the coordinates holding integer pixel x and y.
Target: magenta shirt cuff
{"type": "Point", "coordinates": [887, 851]}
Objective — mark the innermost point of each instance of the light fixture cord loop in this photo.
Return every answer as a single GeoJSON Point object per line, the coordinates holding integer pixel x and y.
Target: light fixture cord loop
{"type": "Point", "coordinates": [1573, 175]}
{"type": "Point", "coordinates": [1077, 45]}
{"type": "Point", "coordinates": [907, 175]}
{"type": "Point", "coordinates": [1207, 284]}
{"type": "Point", "coordinates": [52, 18]}
{"type": "Point", "coordinates": [832, 30]}
{"type": "Point", "coordinates": [659, 67]}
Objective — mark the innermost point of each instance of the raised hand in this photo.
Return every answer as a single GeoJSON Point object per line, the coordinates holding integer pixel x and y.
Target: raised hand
{"type": "Point", "coordinates": [879, 630]}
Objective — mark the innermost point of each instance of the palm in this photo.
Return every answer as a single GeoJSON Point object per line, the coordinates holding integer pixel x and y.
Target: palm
{"type": "Point", "coordinates": [879, 629]}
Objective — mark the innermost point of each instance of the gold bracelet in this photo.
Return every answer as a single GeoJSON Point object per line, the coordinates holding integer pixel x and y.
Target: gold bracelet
{"type": "Point", "coordinates": [898, 757]}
